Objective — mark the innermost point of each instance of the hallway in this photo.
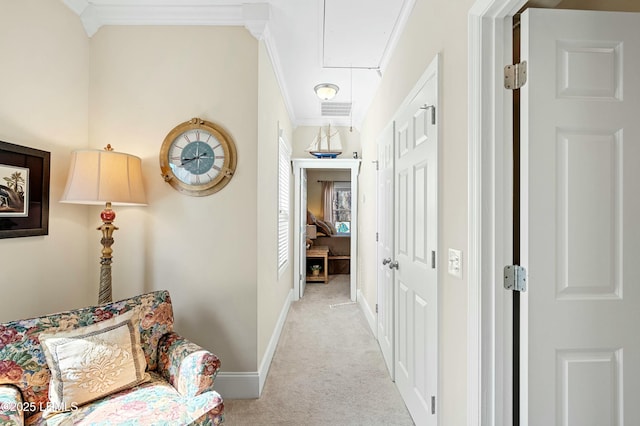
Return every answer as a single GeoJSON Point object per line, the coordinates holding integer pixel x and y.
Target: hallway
{"type": "Point", "coordinates": [327, 369]}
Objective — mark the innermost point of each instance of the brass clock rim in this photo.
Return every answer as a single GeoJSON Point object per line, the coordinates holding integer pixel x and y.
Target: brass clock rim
{"type": "Point", "coordinates": [229, 165]}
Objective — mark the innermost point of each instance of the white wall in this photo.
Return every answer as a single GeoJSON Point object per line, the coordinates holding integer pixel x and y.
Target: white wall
{"type": "Point", "coordinates": [145, 81]}
{"type": "Point", "coordinates": [273, 288]}
{"type": "Point", "coordinates": [434, 26]}
{"type": "Point", "coordinates": [129, 86]}
{"type": "Point", "coordinates": [44, 84]}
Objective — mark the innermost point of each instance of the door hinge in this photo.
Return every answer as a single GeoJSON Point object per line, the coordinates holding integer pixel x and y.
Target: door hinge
{"type": "Point", "coordinates": [515, 278]}
{"type": "Point", "coordinates": [377, 236]}
{"type": "Point", "coordinates": [515, 76]}
{"type": "Point", "coordinates": [377, 163]}
{"type": "Point", "coordinates": [300, 277]}
{"type": "Point", "coordinates": [433, 405]}
{"type": "Point", "coordinates": [376, 308]}
{"type": "Point", "coordinates": [433, 259]}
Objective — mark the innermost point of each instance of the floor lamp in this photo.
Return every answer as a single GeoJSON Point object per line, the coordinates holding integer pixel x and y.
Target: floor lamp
{"type": "Point", "coordinates": [105, 177]}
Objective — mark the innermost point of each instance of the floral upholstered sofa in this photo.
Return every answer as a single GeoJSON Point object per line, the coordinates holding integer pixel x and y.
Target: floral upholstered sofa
{"type": "Point", "coordinates": [113, 364]}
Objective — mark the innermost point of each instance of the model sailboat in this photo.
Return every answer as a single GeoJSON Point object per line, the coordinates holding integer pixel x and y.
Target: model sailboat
{"type": "Point", "coordinates": [326, 144]}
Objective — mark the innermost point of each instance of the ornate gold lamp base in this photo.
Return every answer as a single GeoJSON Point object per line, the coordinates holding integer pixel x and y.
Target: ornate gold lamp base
{"type": "Point", "coordinates": [107, 215]}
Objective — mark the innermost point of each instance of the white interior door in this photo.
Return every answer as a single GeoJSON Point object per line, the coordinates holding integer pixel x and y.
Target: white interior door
{"type": "Point", "coordinates": [580, 215]}
{"type": "Point", "coordinates": [416, 227]}
{"type": "Point", "coordinates": [303, 230]}
{"type": "Point", "coordinates": [385, 246]}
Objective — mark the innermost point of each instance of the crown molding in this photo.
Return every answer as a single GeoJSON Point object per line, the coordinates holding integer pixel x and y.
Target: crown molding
{"type": "Point", "coordinates": [397, 32]}
{"type": "Point", "coordinates": [96, 13]}
{"type": "Point", "coordinates": [254, 17]}
{"type": "Point", "coordinates": [272, 53]}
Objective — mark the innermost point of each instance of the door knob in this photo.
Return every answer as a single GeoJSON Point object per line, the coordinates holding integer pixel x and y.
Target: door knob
{"type": "Point", "coordinates": [387, 260]}
{"type": "Point", "coordinates": [393, 265]}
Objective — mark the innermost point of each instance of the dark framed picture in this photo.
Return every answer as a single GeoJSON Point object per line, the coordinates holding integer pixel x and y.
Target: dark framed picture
{"type": "Point", "coordinates": [24, 191]}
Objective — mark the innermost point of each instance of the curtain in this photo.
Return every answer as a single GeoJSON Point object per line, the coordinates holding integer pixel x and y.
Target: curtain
{"type": "Point", "coordinates": [327, 201]}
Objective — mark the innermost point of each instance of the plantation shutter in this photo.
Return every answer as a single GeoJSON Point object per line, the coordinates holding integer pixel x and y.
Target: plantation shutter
{"type": "Point", "coordinates": [284, 184]}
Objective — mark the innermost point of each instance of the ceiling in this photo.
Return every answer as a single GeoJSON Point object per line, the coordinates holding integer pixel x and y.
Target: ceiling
{"type": "Point", "coordinates": [344, 42]}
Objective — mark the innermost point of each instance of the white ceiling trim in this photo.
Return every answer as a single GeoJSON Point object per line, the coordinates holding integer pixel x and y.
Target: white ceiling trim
{"type": "Point", "coordinates": [401, 23]}
{"type": "Point", "coordinates": [254, 16]}
{"type": "Point", "coordinates": [272, 51]}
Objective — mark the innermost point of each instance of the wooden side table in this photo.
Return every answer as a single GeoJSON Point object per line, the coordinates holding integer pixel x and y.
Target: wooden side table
{"type": "Point", "coordinates": [319, 252]}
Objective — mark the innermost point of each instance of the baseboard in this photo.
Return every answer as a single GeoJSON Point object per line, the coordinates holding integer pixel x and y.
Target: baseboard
{"type": "Point", "coordinates": [273, 343]}
{"type": "Point", "coordinates": [248, 385]}
{"type": "Point", "coordinates": [368, 313]}
{"type": "Point", "coordinates": [240, 385]}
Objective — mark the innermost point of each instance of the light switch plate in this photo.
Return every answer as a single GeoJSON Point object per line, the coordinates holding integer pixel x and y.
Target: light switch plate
{"type": "Point", "coordinates": [454, 264]}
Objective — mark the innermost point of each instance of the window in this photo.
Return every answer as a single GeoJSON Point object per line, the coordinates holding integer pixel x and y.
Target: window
{"type": "Point", "coordinates": [341, 213]}
{"type": "Point", "coordinates": [284, 202]}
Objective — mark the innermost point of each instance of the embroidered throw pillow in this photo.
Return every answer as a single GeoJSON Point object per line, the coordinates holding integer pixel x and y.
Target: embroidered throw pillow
{"type": "Point", "coordinates": [89, 363]}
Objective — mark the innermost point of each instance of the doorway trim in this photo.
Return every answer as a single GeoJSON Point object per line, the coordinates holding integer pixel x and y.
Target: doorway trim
{"type": "Point", "coordinates": [490, 183]}
{"type": "Point", "coordinates": [299, 224]}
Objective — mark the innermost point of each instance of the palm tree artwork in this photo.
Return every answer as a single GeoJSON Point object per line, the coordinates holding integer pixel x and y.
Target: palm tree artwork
{"type": "Point", "coordinates": [12, 192]}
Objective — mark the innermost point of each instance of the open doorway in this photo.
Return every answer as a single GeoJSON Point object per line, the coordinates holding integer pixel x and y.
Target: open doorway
{"type": "Point", "coordinates": [329, 220]}
{"type": "Point", "coordinates": [325, 221]}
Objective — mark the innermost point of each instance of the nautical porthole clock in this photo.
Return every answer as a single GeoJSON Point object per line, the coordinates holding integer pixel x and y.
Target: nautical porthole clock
{"type": "Point", "coordinates": [198, 158]}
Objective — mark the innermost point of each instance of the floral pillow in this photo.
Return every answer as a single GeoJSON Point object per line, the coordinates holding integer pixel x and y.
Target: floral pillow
{"type": "Point", "coordinates": [89, 363]}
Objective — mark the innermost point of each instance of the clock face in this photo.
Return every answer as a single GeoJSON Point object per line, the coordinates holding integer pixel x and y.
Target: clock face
{"type": "Point", "coordinates": [198, 158]}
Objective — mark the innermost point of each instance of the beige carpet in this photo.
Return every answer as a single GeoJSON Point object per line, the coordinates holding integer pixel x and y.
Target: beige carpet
{"type": "Point", "coordinates": [327, 369]}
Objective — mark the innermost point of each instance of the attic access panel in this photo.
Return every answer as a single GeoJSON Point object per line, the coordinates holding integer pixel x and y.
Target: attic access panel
{"type": "Point", "coordinates": [349, 42]}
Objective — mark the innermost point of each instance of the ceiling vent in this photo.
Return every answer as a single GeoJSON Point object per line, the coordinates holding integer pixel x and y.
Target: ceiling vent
{"type": "Point", "coordinates": [336, 109]}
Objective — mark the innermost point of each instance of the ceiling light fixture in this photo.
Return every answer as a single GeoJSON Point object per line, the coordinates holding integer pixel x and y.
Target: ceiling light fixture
{"type": "Point", "coordinates": [326, 91]}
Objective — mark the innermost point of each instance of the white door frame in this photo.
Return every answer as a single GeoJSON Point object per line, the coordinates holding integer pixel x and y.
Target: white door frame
{"type": "Point", "coordinates": [385, 304]}
{"type": "Point", "coordinates": [334, 163]}
{"type": "Point", "coordinates": [490, 186]}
